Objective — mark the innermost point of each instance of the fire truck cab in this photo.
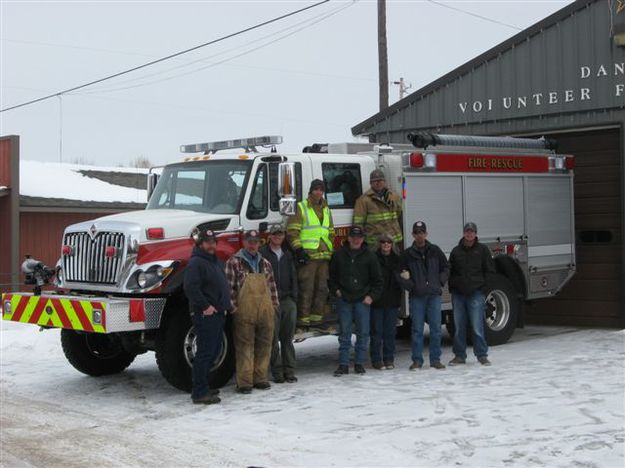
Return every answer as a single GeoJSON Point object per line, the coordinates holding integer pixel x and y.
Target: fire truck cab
{"type": "Point", "coordinates": [118, 285]}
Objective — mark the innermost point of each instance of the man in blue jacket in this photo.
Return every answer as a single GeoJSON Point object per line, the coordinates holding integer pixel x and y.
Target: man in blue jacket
{"type": "Point", "coordinates": [424, 272]}
{"type": "Point", "coordinates": [208, 292]}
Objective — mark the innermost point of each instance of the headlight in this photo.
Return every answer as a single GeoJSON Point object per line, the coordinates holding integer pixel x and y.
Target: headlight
{"type": "Point", "coordinates": [145, 279]}
{"type": "Point", "coordinates": [142, 279]}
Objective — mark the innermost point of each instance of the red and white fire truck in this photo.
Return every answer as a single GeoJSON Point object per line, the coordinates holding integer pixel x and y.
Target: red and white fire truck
{"type": "Point", "coordinates": [118, 283]}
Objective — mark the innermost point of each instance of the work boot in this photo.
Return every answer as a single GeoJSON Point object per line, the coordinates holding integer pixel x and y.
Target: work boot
{"type": "Point", "coordinates": [244, 390]}
{"type": "Point", "coordinates": [262, 385]}
{"type": "Point", "coordinates": [484, 361]}
{"type": "Point", "coordinates": [377, 365]}
{"type": "Point", "coordinates": [359, 369]}
{"type": "Point", "coordinates": [341, 370]}
{"type": "Point", "coordinates": [415, 365]}
{"type": "Point", "coordinates": [207, 399]}
{"type": "Point", "coordinates": [389, 365]}
{"type": "Point", "coordinates": [456, 361]}
{"type": "Point", "coordinates": [437, 365]}
{"type": "Point", "coordinates": [278, 379]}
{"type": "Point", "coordinates": [290, 379]}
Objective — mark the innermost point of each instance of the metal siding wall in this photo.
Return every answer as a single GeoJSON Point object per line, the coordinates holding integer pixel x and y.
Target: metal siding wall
{"type": "Point", "coordinates": [546, 62]}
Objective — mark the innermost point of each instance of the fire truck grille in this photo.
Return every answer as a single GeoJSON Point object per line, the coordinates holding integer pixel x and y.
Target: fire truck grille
{"type": "Point", "coordinates": [98, 260]}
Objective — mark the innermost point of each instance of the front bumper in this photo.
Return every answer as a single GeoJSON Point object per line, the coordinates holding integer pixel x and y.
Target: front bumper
{"type": "Point", "coordinates": [88, 314]}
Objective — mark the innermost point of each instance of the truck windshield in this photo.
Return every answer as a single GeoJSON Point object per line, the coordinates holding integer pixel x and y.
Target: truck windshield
{"type": "Point", "coordinates": [208, 186]}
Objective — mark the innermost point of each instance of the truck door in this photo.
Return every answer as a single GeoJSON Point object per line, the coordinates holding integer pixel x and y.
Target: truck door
{"type": "Point", "coordinates": [262, 208]}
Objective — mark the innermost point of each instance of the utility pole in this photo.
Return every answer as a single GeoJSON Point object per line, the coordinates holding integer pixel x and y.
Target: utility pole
{"type": "Point", "coordinates": [403, 87]}
{"type": "Point", "coordinates": [382, 55]}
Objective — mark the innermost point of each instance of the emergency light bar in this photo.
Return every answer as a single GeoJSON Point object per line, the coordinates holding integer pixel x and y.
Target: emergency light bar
{"type": "Point", "coordinates": [249, 144]}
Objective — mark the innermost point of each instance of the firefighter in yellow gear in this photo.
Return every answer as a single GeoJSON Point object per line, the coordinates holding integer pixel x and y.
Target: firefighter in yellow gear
{"type": "Point", "coordinates": [378, 212]}
{"type": "Point", "coordinates": [310, 233]}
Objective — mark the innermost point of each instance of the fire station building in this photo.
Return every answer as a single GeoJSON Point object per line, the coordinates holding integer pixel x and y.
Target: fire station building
{"type": "Point", "coordinates": [562, 78]}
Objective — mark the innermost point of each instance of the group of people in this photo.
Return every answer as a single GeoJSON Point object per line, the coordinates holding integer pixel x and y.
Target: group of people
{"type": "Point", "coordinates": [273, 290]}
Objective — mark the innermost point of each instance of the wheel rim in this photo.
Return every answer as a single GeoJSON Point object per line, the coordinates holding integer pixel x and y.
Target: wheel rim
{"type": "Point", "coordinates": [190, 348]}
{"type": "Point", "coordinates": [497, 310]}
{"type": "Point", "coordinates": [102, 346]}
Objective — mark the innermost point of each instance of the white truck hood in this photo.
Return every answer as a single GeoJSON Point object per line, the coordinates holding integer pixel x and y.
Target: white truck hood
{"type": "Point", "coordinates": [176, 223]}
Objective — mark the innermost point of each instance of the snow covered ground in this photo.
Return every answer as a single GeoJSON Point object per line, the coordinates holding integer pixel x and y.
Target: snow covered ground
{"type": "Point", "coordinates": [553, 397]}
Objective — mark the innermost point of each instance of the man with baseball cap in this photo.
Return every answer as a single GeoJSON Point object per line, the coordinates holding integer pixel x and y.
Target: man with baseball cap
{"type": "Point", "coordinates": [424, 272]}
{"type": "Point", "coordinates": [255, 304]}
{"type": "Point", "coordinates": [471, 263]}
{"type": "Point", "coordinates": [311, 235]}
{"type": "Point", "coordinates": [356, 281]}
{"type": "Point", "coordinates": [208, 292]}
{"type": "Point", "coordinates": [378, 211]}
{"type": "Point", "coordinates": [282, 351]}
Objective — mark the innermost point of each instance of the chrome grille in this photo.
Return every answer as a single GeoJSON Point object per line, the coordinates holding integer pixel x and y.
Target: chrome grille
{"type": "Point", "coordinates": [88, 263]}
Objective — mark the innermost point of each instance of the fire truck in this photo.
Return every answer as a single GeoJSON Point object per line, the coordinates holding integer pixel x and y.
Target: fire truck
{"type": "Point", "coordinates": [118, 283]}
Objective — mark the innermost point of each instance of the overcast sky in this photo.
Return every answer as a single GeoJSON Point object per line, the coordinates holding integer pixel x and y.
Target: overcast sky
{"type": "Point", "coordinates": [309, 78]}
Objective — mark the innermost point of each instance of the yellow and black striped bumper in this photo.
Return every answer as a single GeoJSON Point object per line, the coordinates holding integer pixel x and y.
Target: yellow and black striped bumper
{"type": "Point", "coordinates": [93, 314]}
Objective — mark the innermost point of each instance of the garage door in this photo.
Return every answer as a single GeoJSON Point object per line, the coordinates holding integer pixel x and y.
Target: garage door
{"type": "Point", "coordinates": [594, 295]}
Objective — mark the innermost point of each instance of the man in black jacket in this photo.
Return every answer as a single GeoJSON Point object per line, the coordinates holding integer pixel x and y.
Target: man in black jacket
{"type": "Point", "coordinates": [424, 272]}
{"type": "Point", "coordinates": [471, 264]}
{"type": "Point", "coordinates": [356, 281]}
{"type": "Point", "coordinates": [283, 352]}
{"type": "Point", "coordinates": [208, 292]}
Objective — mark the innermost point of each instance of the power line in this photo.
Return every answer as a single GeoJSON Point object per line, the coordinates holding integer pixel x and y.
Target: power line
{"type": "Point", "coordinates": [475, 15]}
{"type": "Point", "coordinates": [168, 57]}
{"type": "Point", "coordinates": [310, 22]}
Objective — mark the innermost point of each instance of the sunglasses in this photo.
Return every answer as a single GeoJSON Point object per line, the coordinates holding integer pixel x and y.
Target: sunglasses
{"type": "Point", "coordinates": [386, 242]}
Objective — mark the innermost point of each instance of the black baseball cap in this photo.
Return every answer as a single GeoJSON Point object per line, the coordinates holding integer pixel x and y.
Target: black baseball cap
{"type": "Point", "coordinates": [202, 235]}
{"type": "Point", "coordinates": [252, 235]}
{"type": "Point", "coordinates": [419, 226]}
{"type": "Point", "coordinates": [356, 231]}
{"type": "Point", "coordinates": [470, 226]}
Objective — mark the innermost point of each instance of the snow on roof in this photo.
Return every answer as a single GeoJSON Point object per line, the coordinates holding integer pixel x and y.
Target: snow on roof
{"type": "Point", "coordinates": [71, 182]}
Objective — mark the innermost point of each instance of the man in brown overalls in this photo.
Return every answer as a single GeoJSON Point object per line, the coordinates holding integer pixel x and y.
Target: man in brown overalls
{"type": "Point", "coordinates": [255, 303]}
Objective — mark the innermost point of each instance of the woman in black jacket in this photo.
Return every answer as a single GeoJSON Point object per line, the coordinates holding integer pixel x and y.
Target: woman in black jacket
{"type": "Point", "coordinates": [384, 311]}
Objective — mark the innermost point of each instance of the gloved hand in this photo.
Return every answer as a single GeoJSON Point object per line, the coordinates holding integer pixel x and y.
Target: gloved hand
{"type": "Point", "coordinates": [301, 256]}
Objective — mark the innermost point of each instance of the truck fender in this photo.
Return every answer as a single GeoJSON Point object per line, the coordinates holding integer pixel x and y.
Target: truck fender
{"type": "Point", "coordinates": [507, 267]}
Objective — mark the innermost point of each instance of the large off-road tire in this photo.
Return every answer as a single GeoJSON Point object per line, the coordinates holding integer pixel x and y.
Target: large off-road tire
{"type": "Point", "coordinates": [95, 354]}
{"type": "Point", "coordinates": [175, 349]}
{"type": "Point", "coordinates": [503, 306]}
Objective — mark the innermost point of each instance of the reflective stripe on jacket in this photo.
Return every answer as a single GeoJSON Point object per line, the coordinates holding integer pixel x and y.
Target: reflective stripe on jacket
{"type": "Point", "coordinates": [306, 230]}
{"type": "Point", "coordinates": [378, 216]}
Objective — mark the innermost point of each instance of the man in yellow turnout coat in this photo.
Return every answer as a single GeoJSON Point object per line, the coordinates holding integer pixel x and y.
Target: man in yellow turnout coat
{"type": "Point", "coordinates": [378, 212]}
{"type": "Point", "coordinates": [311, 235]}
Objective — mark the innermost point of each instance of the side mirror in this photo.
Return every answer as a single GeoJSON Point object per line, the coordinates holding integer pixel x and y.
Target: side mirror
{"type": "Point", "coordinates": [152, 181]}
{"type": "Point", "coordinates": [287, 188]}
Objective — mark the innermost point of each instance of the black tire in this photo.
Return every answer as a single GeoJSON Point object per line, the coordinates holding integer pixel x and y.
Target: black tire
{"type": "Point", "coordinates": [174, 353]}
{"type": "Point", "coordinates": [95, 354]}
{"type": "Point", "coordinates": [503, 306]}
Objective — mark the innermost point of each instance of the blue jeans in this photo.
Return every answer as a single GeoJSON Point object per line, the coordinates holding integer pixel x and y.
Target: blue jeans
{"type": "Point", "coordinates": [348, 313]}
{"type": "Point", "coordinates": [472, 307]}
{"type": "Point", "coordinates": [209, 336]}
{"type": "Point", "coordinates": [383, 330]}
{"type": "Point", "coordinates": [420, 308]}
